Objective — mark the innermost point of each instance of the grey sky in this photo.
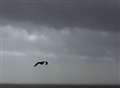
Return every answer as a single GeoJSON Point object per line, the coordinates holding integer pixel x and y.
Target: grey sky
{"type": "Point", "coordinates": [91, 14]}
{"type": "Point", "coordinates": [84, 33]}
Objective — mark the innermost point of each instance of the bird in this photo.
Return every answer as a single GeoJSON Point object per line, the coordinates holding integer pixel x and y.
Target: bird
{"type": "Point", "coordinates": [41, 63]}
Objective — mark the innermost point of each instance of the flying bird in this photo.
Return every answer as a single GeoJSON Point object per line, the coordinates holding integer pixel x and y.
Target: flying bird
{"type": "Point", "coordinates": [41, 63]}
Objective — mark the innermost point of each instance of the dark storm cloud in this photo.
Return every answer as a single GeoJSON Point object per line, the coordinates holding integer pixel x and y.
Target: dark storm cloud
{"type": "Point", "coordinates": [91, 14]}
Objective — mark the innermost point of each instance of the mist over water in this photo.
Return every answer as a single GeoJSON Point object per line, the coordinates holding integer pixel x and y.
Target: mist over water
{"type": "Point", "coordinates": [20, 70]}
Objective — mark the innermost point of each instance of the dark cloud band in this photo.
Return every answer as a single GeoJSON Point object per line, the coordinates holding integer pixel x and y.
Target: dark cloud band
{"type": "Point", "coordinates": [91, 14]}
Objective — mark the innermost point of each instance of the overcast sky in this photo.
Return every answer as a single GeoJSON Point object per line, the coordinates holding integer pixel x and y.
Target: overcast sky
{"type": "Point", "coordinates": [81, 39]}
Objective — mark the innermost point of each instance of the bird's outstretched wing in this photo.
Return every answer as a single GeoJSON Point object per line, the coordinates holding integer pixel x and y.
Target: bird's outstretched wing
{"type": "Point", "coordinates": [38, 63]}
{"type": "Point", "coordinates": [41, 63]}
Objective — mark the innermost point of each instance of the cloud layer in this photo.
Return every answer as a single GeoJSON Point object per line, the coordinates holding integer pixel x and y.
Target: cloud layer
{"type": "Point", "coordinates": [89, 14]}
{"type": "Point", "coordinates": [64, 42]}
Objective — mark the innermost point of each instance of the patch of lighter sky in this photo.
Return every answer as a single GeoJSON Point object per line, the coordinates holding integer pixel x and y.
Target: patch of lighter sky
{"type": "Point", "coordinates": [13, 53]}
